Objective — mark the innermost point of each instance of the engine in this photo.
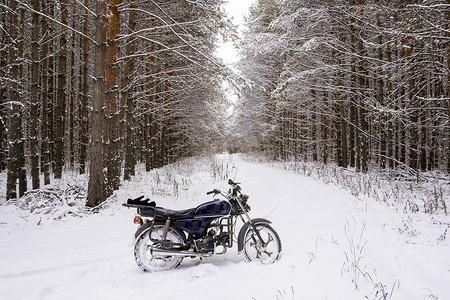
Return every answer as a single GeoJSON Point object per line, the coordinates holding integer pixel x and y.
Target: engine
{"type": "Point", "coordinates": [206, 245]}
{"type": "Point", "coordinates": [216, 236]}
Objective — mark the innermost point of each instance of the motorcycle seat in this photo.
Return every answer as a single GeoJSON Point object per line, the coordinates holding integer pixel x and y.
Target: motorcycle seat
{"type": "Point", "coordinates": [175, 214]}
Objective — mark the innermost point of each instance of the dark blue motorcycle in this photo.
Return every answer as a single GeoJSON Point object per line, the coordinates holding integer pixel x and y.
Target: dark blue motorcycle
{"type": "Point", "coordinates": [165, 236]}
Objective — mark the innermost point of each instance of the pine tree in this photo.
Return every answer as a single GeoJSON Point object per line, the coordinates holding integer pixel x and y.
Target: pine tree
{"type": "Point", "coordinates": [96, 187]}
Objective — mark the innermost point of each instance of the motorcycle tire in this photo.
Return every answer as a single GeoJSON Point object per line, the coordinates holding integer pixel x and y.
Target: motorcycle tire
{"type": "Point", "coordinates": [151, 263]}
{"type": "Point", "coordinates": [253, 249]}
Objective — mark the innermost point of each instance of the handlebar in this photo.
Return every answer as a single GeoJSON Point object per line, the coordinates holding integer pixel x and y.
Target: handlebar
{"type": "Point", "coordinates": [231, 182]}
{"type": "Point", "coordinates": [234, 194]}
{"type": "Point", "coordinates": [215, 191]}
{"type": "Point", "coordinates": [235, 185]}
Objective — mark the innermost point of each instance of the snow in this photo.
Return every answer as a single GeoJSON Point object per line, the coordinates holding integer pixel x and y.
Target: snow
{"type": "Point", "coordinates": [335, 245]}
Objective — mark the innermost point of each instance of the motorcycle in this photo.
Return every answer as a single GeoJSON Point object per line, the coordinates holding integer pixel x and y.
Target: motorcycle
{"type": "Point", "coordinates": [165, 237]}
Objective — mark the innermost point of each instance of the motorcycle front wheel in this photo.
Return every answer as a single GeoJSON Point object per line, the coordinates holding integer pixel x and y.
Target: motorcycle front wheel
{"type": "Point", "coordinates": [151, 263]}
{"type": "Point", "coordinates": [267, 252]}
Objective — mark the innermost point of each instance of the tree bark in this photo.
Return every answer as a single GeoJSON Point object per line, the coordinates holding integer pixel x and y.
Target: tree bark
{"type": "Point", "coordinates": [128, 95]}
{"type": "Point", "coordinates": [34, 98]}
{"type": "Point", "coordinates": [96, 192]}
{"type": "Point", "coordinates": [45, 158]}
{"type": "Point", "coordinates": [60, 108]}
{"type": "Point", "coordinates": [3, 93]}
{"type": "Point", "coordinates": [16, 155]}
{"type": "Point", "coordinates": [83, 112]}
{"type": "Point", "coordinates": [111, 102]}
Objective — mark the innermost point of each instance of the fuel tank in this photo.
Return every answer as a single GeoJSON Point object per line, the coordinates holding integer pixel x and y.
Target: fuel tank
{"type": "Point", "coordinates": [215, 208]}
{"type": "Point", "coordinates": [204, 214]}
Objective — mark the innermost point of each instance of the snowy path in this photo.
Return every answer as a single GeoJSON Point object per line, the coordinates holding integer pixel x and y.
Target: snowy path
{"type": "Point", "coordinates": [331, 241]}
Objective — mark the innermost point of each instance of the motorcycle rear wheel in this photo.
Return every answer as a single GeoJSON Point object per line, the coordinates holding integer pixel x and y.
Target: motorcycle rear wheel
{"type": "Point", "coordinates": [151, 263]}
{"type": "Point", "coordinates": [254, 250]}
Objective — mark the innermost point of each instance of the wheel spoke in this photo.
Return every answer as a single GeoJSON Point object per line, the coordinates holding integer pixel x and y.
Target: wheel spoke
{"type": "Point", "coordinates": [267, 249]}
{"type": "Point", "coordinates": [143, 255]}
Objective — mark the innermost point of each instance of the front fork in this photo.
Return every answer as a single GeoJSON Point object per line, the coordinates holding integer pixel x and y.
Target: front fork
{"type": "Point", "coordinates": [251, 223]}
{"type": "Point", "coordinates": [258, 235]}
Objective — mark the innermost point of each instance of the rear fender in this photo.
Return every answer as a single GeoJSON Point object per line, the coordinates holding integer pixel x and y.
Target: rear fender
{"type": "Point", "coordinates": [140, 231]}
{"type": "Point", "coordinates": [244, 229]}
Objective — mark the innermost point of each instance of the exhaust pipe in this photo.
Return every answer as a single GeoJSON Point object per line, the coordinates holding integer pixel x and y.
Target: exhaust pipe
{"type": "Point", "coordinates": [164, 252]}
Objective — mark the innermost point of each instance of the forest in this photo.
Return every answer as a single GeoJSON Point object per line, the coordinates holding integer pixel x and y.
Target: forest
{"type": "Point", "coordinates": [100, 86]}
{"type": "Point", "coordinates": [362, 83]}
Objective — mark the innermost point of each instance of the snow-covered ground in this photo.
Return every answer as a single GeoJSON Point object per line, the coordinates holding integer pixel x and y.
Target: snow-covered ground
{"type": "Point", "coordinates": [335, 245]}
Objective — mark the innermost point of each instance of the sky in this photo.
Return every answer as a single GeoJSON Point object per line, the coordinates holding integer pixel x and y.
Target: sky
{"type": "Point", "coordinates": [237, 9]}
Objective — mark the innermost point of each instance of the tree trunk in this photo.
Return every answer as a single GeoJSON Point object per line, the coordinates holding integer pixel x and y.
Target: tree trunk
{"type": "Point", "coordinates": [3, 92]}
{"type": "Point", "coordinates": [324, 133]}
{"type": "Point", "coordinates": [60, 108]}
{"type": "Point", "coordinates": [380, 98]}
{"type": "Point", "coordinates": [72, 98]}
{"type": "Point", "coordinates": [413, 141]}
{"type": "Point", "coordinates": [96, 193]}
{"type": "Point", "coordinates": [362, 87]}
{"type": "Point", "coordinates": [128, 95]}
{"type": "Point", "coordinates": [83, 111]}
{"type": "Point", "coordinates": [111, 102]}
{"type": "Point", "coordinates": [16, 155]}
{"type": "Point", "coordinates": [147, 138]}
{"type": "Point", "coordinates": [45, 159]}
{"type": "Point", "coordinates": [353, 134]}
{"type": "Point", "coordinates": [51, 80]}
{"type": "Point", "coordinates": [34, 98]}
{"type": "Point", "coordinates": [447, 88]}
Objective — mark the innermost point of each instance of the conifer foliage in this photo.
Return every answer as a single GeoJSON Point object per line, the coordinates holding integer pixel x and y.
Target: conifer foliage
{"type": "Point", "coordinates": [358, 82]}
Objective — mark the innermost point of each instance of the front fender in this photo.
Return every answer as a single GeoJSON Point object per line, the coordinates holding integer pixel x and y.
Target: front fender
{"type": "Point", "coordinates": [244, 230]}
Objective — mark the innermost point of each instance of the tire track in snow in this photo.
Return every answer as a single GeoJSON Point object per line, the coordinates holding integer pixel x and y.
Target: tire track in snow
{"type": "Point", "coordinates": [280, 198]}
